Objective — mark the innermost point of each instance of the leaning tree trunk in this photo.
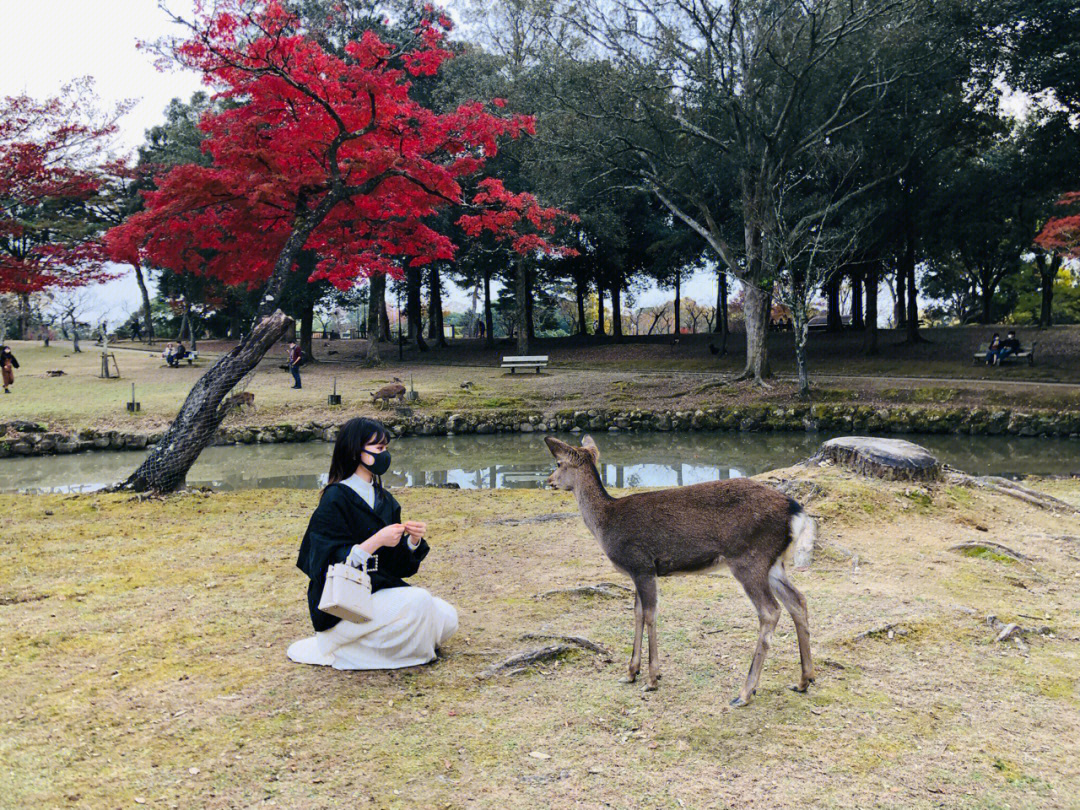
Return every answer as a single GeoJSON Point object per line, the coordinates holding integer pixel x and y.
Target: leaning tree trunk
{"type": "Point", "coordinates": [75, 336]}
{"type": "Point", "coordinates": [166, 466]}
{"type": "Point", "coordinates": [870, 342]}
{"type": "Point", "coordinates": [521, 294]}
{"type": "Point", "coordinates": [756, 318]}
{"type": "Point", "coordinates": [148, 321]}
{"type": "Point", "coordinates": [168, 462]}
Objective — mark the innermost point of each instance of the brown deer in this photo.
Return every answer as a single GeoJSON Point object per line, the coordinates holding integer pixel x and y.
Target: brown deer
{"type": "Point", "coordinates": [241, 399]}
{"type": "Point", "coordinates": [740, 523]}
{"type": "Point", "coordinates": [389, 392]}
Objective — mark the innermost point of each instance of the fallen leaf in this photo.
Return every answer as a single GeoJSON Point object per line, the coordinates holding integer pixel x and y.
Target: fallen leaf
{"type": "Point", "coordinates": [193, 771]}
{"type": "Point", "coordinates": [140, 800]}
{"type": "Point", "coordinates": [539, 755]}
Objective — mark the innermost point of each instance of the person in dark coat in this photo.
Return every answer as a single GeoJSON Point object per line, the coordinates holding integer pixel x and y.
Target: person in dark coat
{"type": "Point", "coordinates": [8, 364]}
{"type": "Point", "coordinates": [357, 519]}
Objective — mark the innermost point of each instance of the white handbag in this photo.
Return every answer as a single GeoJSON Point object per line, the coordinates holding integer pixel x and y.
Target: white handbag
{"type": "Point", "coordinates": [347, 593]}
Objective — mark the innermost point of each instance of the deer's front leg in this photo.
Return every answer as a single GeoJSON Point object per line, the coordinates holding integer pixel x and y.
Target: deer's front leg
{"type": "Point", "coordinates": [639, 625]}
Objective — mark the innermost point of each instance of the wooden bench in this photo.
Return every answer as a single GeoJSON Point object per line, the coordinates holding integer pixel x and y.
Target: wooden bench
{"type": "Point", "coordinates": [1023, 354]}
{"type": "Point", "coordinates": [514, 363]}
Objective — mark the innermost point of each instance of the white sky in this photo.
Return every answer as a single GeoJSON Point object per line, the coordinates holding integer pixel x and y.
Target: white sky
{"type": "Point", "coordinates": [45, 43]}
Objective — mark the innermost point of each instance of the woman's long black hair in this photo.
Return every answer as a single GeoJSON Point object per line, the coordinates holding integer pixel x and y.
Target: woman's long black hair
{"type": "Point", "coordinates": [355, 435]}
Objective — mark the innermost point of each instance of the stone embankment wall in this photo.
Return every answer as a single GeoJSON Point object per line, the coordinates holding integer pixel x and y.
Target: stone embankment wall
{"type": "Point", "coordinates": [21, 438]}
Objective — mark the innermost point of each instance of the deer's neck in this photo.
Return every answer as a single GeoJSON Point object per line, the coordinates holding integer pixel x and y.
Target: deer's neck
{"type": "Point", "coordinates": [593, 502]}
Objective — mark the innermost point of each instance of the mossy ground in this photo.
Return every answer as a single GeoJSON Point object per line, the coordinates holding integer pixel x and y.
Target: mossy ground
{"type": "Point", "coordinates": [143, 651]}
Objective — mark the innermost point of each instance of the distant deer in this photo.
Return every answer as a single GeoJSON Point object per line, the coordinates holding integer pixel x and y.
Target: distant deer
{"type": "Point", "coordinates": [389, 392]}
{"type": "Point", "coordinates": [241, 399]}
{"type": "Point", "coordinates": [740, 523]}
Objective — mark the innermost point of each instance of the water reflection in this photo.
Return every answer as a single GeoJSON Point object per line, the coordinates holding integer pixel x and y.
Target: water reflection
{"type": "Point", "coordinates": [522, 461]}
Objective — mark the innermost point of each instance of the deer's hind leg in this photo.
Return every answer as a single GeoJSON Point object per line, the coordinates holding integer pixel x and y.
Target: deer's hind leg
{"type": "Point", "coordinates": [757, 588]}
{"type": "Point", "coordinates": [795, 603]}
{"type": "Point", "coordinates": [639, 624]}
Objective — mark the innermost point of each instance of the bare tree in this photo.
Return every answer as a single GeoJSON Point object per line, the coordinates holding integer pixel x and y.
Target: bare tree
{"type": "Point", "coordinates": [70, 305]}
{"type": "Point", "coordinates": [715, 101]}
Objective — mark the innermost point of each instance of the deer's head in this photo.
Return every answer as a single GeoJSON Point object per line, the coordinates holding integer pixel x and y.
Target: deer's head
{"type": "Point", "coordinates": [571, 462]}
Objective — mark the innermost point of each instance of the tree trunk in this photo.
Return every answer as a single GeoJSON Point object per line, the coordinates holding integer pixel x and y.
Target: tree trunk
{"type": "Point", "coordinates": [616, 310]}
{"type": "Point", "coordinates": [521, 294]}
{"type": "Point", "coordinates": [857, 301]}
{"type": "Point", "coordinates": [235, 326]}
{"type": "Point", "coordinates": [413, 307]}
{"type": "Point", "coordinates": [756, 317]}
{"type": "Point", "coordinates": [721, 327]}
{"type": "Point", "coordinates": [530, 285]}
{"type": "Point", "coordinates": [489, 319]}
{"type": "Point", "coordinates": [678, 304]}
{"type": "Point", "coordinates": [307, 329]}
{"type": "Point", "coordinates": [871, 340]}
{"type": "Point", "coordinates": [913, 335]}
{"type": "Point", "coordinates": [834, 322]}
{"type": "Point", "coordinates": [900, 307]}
{"type": "Point", "coordinates": [148, 321]}
{"type": "Point", "coordinates": [24, 315]}
{"type": "Point", "coordinates": [580, 289]}
{"type": "Point", "coordinates": [600, 330]}
{"type": "Point", "coordinates": [376, 310]}
{"type": "Point", "coordinates": [192, 344]}
{"type": "Point", "coordinates": [75, 335]}
{"type": "Point", "coordinates": [168, 462]}
{"type": "Point", "coordinates": [435, 319]}
{"type": "Point", "coordinates": [183, 322]}
{"type": "Point", "coordinates": [799, 323]}
{"type": "Point", "coordinates": [1048, 270]}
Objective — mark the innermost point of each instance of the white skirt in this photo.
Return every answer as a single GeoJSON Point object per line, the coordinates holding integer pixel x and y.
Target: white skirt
{"type": "Point", "coordinates": [408, 625]}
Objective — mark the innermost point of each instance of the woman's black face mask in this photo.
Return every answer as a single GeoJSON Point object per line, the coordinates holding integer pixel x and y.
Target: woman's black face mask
{"type": "Point", "coordinates": [380, 464]}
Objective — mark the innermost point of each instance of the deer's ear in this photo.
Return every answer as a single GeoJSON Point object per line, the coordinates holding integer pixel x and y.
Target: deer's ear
{"type": "Point", "coordinates": [589, 446]}
{"type": "Point", "coordinates": [557, 448]}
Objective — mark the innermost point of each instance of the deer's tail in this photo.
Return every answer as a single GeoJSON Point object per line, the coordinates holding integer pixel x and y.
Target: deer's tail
{"type": "Point", "coordinates": [801, 530]}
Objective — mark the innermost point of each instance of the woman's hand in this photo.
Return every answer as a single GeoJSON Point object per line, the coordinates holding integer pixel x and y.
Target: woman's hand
{"type": "Point", "coordinates": [386, 536]}
{"type": "Point", "coordinates": [415, 528]}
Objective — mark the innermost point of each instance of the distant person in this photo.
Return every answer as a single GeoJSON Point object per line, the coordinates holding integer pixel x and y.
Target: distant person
{"type": "Point", "coordinates": [179, 353]}
{"type": "Point", "coordinates": [357, 520]}
{"type": "Point", "coordinates": [481, 329]}
{"type": "Point", "coordinates": [8, 364]}
{"type": "Point", "coordinates": [296, 357]}
{"type": "Point", "coordinates": [1010, 345]}
{"type": "Point", "coordinates": [993, 349]}
{"type": "Point", "coordinates": [136, 331]}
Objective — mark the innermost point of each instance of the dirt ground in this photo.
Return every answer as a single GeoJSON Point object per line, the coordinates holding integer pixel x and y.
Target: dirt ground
{"type": "Point", "coordinates": [143, 649]}
{"type": "Point", "coordinates": [623, 377]}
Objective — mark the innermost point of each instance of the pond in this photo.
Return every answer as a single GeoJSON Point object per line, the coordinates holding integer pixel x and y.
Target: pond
{"type": "Point", "coordinates": [522, 460]}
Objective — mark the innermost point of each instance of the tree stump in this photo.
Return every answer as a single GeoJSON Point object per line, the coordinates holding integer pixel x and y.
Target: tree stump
{"type": "Point", "coordinates": [893, 459]}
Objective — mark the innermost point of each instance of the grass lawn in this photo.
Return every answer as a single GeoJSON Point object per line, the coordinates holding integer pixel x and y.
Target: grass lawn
{"type": "Point", "coordinates": [143, 650]}
{"type": "Point", "coordinates": [643, 375]}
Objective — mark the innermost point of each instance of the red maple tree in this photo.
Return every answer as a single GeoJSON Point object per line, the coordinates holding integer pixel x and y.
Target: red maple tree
{"type": "Point", "coordinates": [316, 148]}
{"type": "Point", "coordinates": [49, 152]}
{"type": "Point", "coordinates": [1062, 234]}
{"type": "Point", "coordinates": [320, 151]}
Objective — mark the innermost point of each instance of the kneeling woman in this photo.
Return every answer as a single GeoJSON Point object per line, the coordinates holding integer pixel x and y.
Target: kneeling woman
{"type": "Point", "coordinates": [356, 519]}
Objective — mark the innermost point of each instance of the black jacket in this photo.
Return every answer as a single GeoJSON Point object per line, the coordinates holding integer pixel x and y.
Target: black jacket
{"type": "Point", "coordinates": [342, 520]}
{"type": "Point", "coordinates": [9, 357]}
